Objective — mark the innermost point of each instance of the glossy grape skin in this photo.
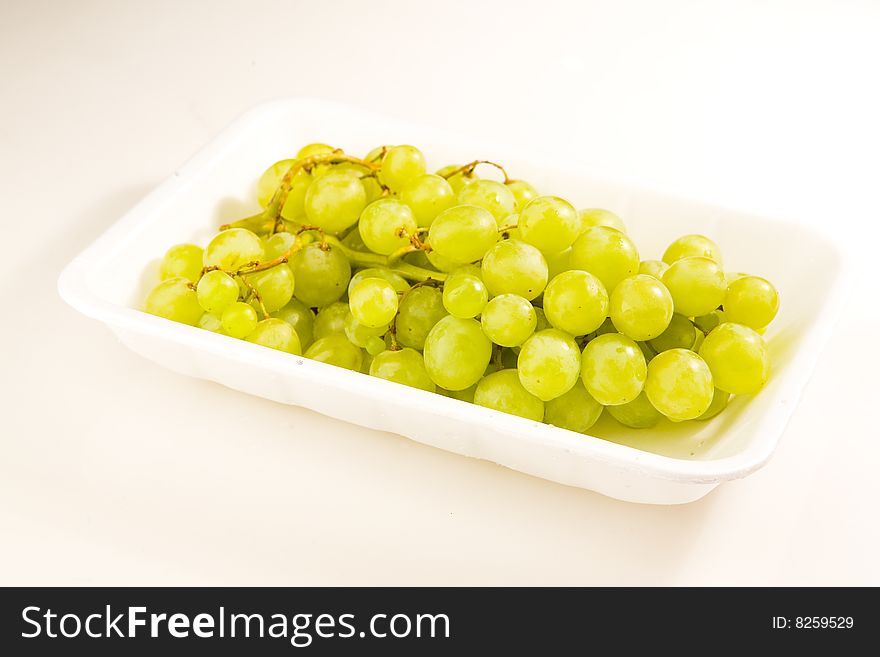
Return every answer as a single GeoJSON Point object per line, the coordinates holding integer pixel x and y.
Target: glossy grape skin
{"type": "Point", "coordinates": [315, 148]}
{"type": "Point", "coordinates": [420, 310]}
{"type": "Point", "coordinates": [321, 276]}
{"type": "Point", "coordinates": [373, 302]}
{"type": "Point", "coordinates": [679, 334]}
{"type": "Point", "coordinates": [508, 320]}
{"type": "Point", "coordinates": [359, 334]}
{"type": "Point", "coordinates": [606, 253]}
{"type": "Point", "coordinates": [210, 322]}
{"type": "Point", "coordinates": [400, 165]}
{"type": "Point", "coordinates": [216, 291]}
{"type": "Point", "coordinates": [334, 202]}
{"type": "Point", "coordinates": [706, 323]}
{"type": "Point", "coordinates": [398, 282]}
{"type": "Point", "coordinates": [502, 391]}
{"type": "Point", "coordinates": [549, 364]}
{"type": "Point", "coordinates": [458, 180]}
{"type": "Point", "coordinates": [294, 208]}
{"type": "Point", "coordinates": [679, 384]}
{"type": "Point", "coordinates": [655, 268]}
{"type": "Point", "coordinates": [182, 260]}
{"type": "Point", "coordinates": [548, 223]}
{"type": "Point", "coordinates": [576, 410]}
{"type": "Point", "coordinates": [590, 217]}
{"type": "Point", "coordinates": [613, 369]}
{"type": "Point", "coordinates": [330, 320]}
{"type": "Point", "coordinates": [514, 267]}
{"type": "Point", "coordinates": [751, 301]}
{"type": "Point", "coordinates": [174, 299]}
{"type": "Point", "coordinates": [464, 296]}
{"type": "Point", "coordinates": [720, 400]}
{"type": "Point", "coordinates": [239, 320]}
{"type": "Point", "coordinates": [493, 196]}
{"type": "Point", "coordinates": [276, 334]}
{"type": "Point", "coordinates": [439, 262]}
{"type": "Point", "coordinates": [381, 224]}
{"type": "Point", "coordinates": [523, 192]}
{"type": "Point", "coordinates": [576, 302]}
{"type": "Point", "coordinates": [302, 318]}
{"type": "Point", "coordinates": [374, 346]}
{"type": "Point", "coordinates": [636, 414]}
{"type": "Point", "coordinates": [427, 196]}
{"type": "Point", "coordinates": [737, 357]}
{"type": "Point", "coordinates": [232, 249]}
{"type": "Point", "coordinates": [275, 286]}
{"type": "Point", "coordinates": [697, 285]}
{"type": "Point", "coordinates": [405, 366]}
{"type": "Point", "coordinates": [270, 180]}
{"type": "Point", "coordinates": [336, 349]}
{"type": "Point", "coordinates": [641, 307]}
{"type": "Point", "coordinates": [558, 263]}
{"type": "Point", "coordinates": [463, 233]}
{"type": "Point", "coordinates": [277, 245]}
{"type": "Point", "coordinates": [692, 245]}
{"type": "Point", "coordinates": [456, 353]}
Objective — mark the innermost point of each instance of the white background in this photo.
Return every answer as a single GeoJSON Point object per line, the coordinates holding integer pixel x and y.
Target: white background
{"type": "Point", "coordinates": [115, 471]}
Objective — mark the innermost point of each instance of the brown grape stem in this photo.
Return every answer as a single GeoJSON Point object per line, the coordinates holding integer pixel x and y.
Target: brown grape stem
{"type": "Point", "coordinates": [468, 169]}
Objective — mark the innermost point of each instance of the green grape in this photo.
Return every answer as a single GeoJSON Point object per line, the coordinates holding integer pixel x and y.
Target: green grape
{"type": "Point", "coordinates": [514, 267]}
{"type": "Point", "coordinates": [232, 249]}
{"type": "Point", "coordinates": [377, 153]}
{"type": "Point", "coordinates": [271, 180]}
{"type": "Point", "coordinates": [751, 301]}
{"type": "Point", "coordinates": [427, 196]}
{"type": "Point", "coordinates": [466, 395]}
{"type": "Point", "coordinates": [458, 180]}
{"type": "Point", "coordinates": [606, 253]}
{"type": "Point", "coordinates": [216, 291]}
{"type": "Point", "coordinates": [276, 334]}
{"type": "Point", "coordinates": [558, 263]}
{"type": "Point", "coordinates": [373, 302]}
{"type": "Point", "coordinates": [397, 281]}
{"type": "Point", "coordinates": [709, 321]}
{"type": "Point", "coordinates": [508, 320]}
{"type": "Point", "coordinates": [275, 286]}
{"type": "Point", "coordinates": [697, 285]}
{"type": "Point", "coordinates": [613, 369]}
{"type": "Point", "coordinates": [405, 366]}
{"type": "Point", "coordinates": [439, 262]}
{"type": "Point", "coordinates": [463, 233]}
{"type": "Point", "coordinates": [239, 320]}
{"type": "Point", "coordinates": [321, 275]}
{"type": "Point", "coordinates": [548, 223]}
{"type": "Point", "coordinates": [719, 403]}
{"type": "Point", "coordinates": [464, 296]}
{"type": "Point", "coordinates": [181, 260]}
{"type": "Point", "coordinates": [456, 353]}
{"type": "Point", "coordinates": [523, 192]}
{"type": "Point", "coordinates": [334, 202]}
{"type": "Point", "coordinates": [637, 414]}
{"type": "Point", "coordinates": [549, 364]}
{"type": "Point", "coordinates": [278, 245]}
{"type": "Point", "coordinates": [210, 322]}
{"type": "Point", "coordinates": [420, 309]}
{"type": "Point", "coordinates": [301, 318]}
{"type": "Point", "coordinates": [502, 391]}
{"type": "Point", "coordinates": [400, 165]}
{"type": "Point", "coordinates": [314, 149]}
{"type": "Point", "coordinates": [737, 357]}
{"type": "Point", "coordinates": [655, 268]}
{"type": "Point", "coordinates": [386, 225]}
{"type": "Point", "coordinates": [330, 320]}
{"type": "Point", "coordinates": [590, 217]}
{"type": "Point", "coordinates": [372, 189]}
{"type": "Point", "coordinates": [359, 334]}
{"type": "Point", "coordinates": [336, 349]}
{"type": "Point", "coordinates": [490, 195]}
{"type": "Point", "coordinates": [174, 299]}
{"type": "Point", "coordinates": [692, 245]}
{"type": "Point", "coordinates": [679, 384]}
{"type": "Point", "coordinates": [375, 345]}
{"type": "Point", "coordinates": [576, 302]}
{"type": "Point", "coordinates": [680, 334]}
{"type": "Point", "coordinates": [294, 208]}
{"type": "Point", "coordinates": [576, 410]}
{"type": "Point", "coordinates": [353, 240]}
{"type": "Point", "coordinates": [641, 307]}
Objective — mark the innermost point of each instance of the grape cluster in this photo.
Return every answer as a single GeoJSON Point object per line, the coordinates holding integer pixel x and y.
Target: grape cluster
{"type": "Point", "coordinates": [476, 289]}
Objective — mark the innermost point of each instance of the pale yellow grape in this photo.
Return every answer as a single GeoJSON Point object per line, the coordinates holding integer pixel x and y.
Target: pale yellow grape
{"type": "Point", "coordinates": [232, 249]}
{"type": "Point", "coordinates": [456, 353]}
{"type": "Point", "coordinates": [548, 223]}
{"type": "Point", "coordinates": [386, 225]}
{"type": "Point", "coordinates": [210, 322]}
{"type": "Point", "coordinates": [373, 302]}
{"type": "Point", "coordinates": [427, 196]}
{"type": "Point", "coordinates": [216, 291]}
{"type": "Point", "coordinates": [514, 267]}
{"type": "Point", "coordinates": [398, 282]}
{"type": "Point", "coordinates": [641, 307]}
{"type": "Point", "coordinates": [558, 263]}
{"type": "Point", "coordinates": [316, 148]}
{"type": "Point", "coordinates": [655, 268]}
{"type": "Point", "coordinates": [458, 180]}
{"type": "Point", "coordinates": [321, 275]}
{"type": "Point", "coordinates": [692, 245]}
{"type": "Point", "coordinates": [737, 357]}
{"type": "Point", "coordinates": [613, 369]}
{"type": "Point", "coordinates": [549, 364]}
{"type": "Point", "coordinates": [330, 320]}
{"type": "Point", "coordinates": [336, 349]}
{"type": "Point", "coordinates": [590, 217]}
{"type": "Point", "coordinates": [301, 317]}
{"type": "Point", "coordinates": [490, 195]}
{"type": "Point", "coordinates": [751, 301]}
{"type": "Point", "coordinates": [275, 286]}
{"type": "Point", "coordinates": [465, 296]}
{"type": "Point", "coordinates": [294, 206]}
{"type": "Point", "coordinates": [239, 319]}
{"type": "Point", "coordinates": [679, 384]}
{"type": "Point", "coordinates": [463, 233]}
{"type": "Point", "coordinates": [276, 334]}
{"type": "Point", "coordinates": [359, 334]}
{"type": "Point", "coordinates": [182, 260]}
{"type": "Point", "coordinates": [277, 245]}
{"type": "Point", "coordinates": [709, 321]}
{"type": "Point", "coordinates": [400, 165]}
{"type": "Point", "coordinates": [334, 202]}
{"type": "Point", "coordinates": [679, 334]}
{"type": "Point", "coordinates": [405, 366]}
{"type": "Point", "coordinates": [576, 302]}
{"type": "Point", "coordinates": [606, 253]}
{"type": "Point", "coordinates": [508, 320]}
{"type": "Point", "coordinates": [523, 192]}
{"type": "Point", "coordinates": [174, 299]}
{"type": "Point", "coordinates": [434, 260]}
{"type": "Point", "coordinates": [637, 414]}
{"type": "Point", "coordinates": [420, 309]}
{"type": "Point", "coordinates": [719, 403]}
{"type": "Point", "coordinates": [270, 180]}
{"type": "Point", "coordinates": [502, 391]}
{"type": "Point", "coordinates": [374, 346]}
{"type": "Point", "coordinates": [576, 410]}
{"type": "Point", "coordinates": [697, 285]}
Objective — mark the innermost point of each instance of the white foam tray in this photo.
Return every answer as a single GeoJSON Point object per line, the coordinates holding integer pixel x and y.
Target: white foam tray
{"type": "Point", "coordinates": [671, 464]}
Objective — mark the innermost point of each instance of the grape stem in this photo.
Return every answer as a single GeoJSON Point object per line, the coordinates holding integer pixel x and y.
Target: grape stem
{"type": "Point", "coordinates": [468, 169]}
{"type": "Point", "coordinates": [408, 271]}
{"type": "Point", "coordinates": [255, 295]}
{"type": "Point", "coordinates": [392, 328]}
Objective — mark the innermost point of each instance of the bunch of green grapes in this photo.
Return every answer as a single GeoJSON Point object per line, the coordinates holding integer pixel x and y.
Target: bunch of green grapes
{"type": "Point", "coordinates": [477, 288]}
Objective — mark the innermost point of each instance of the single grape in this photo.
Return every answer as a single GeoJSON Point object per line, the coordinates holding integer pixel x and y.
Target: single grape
{"type": "Point", "coordinates": [576, 302]}
{"type": "Point", "coordinates": [464, 296]}
{"type": "Point", "coordinates": [359, 334]}
{"type": "Point", "coordinates": [314, 149]}
{"type": "Point", "coordinates": [508, 320]}
{"type": "Point", "coordinates": [334, 202]}
{"type": "Point", "coordinates": [275, 286]}
{"type": "Point", "coordinates": [523, 192]}
{"type": "Point", "coordinates": [276, 334]}
{"type": "Point", "coordinates": [386, 225]}
{"type": "Point", "coordinates": [680, 334]}
{"type": "Point", "coordinates": [463, 233]}
{"type": "Point", "coordinates": [301, 318]}
{"type": "Point", "coordinates": [697, 285]}
{"type": "Point", "coordinates": [576, 410]}
{"type": "Point", "coordinates": [232, 249]}
{"type": "Point", "coordinates": [405, 366]}
{"type": "Point", "coordinates": [278, 245]}
{"type": "Point", "coordinates": [294, 208]}
{"type": "Point", "coordinates": [502, 391]}
{"type": "Point", "coordinates": [466, 395]}
{"type": "Point", "coordinates": [590, 217]}
{"type": "Point", "coordinates": [679, 384]}
{"type": "Point", "coordinates": [490, 195]}
{"type": "Point", "coordinates": [321, 275]}
{"type": "Point", "coordinates": [459, 180]}
{"type": "Point", "coordinates": [606, 253]}
{"type": "Point", "coordinates": [655, 268]}
{"type": "Point", "coordinates": [210, 322]}
{"type": "Point", "coordinates": [373, 302]}
{"type": "Point", "coordinates": [400, 165]}
{"type": "Point", "coordinates": [637, 414]}
{"type": "Point", "coordinates": [613, 369]}
{"type": "Point", "coordinates": [427, 196]}
{"type": "Point", "coordinates": [706, 323]}
{"type": "Point", "coordinates": [514, 267]}
{"type": "Point", "coordinates": [336, 349]}
{"type": "Point", "coordinates": [378, 153]}
{"type": "Point", "coordinates": [548, 223]}
{"type": "Point", "coordinates": [420, 309]}
{"type": "Point", "coordinates": [375, 345]}
{"type": "Point", "coordinates": [558, 263]}
{"type": "Point", "coordinates": [175, 299]}
{"type": "Point", "coordinates": [182, 260]}
{"type": "Point", "coordinates": [439, 262]}
{"type": "Point", "coordinates": [216, 291]}
{"type": "Point", "coordinates": [690, 246]}
{"type": "Point", "coordinates": [269, 182]}
{"type": "Point", "coordinates": [751, 301]}
{"type": "Point", "coordinates": [330, 320]}
{"type": "Point", "coordinates": [719, 403]}
{"type": "Point", "coordinates": [737, 357]}
{"type": "Point", "coordinates": [398, 282]}
{"type": "Point", "coordinates": [641, 307]}
{"type": "Point", "coordinates": [549, 364]}
{"type": "Point", "coordinates": [456, 353]}
{"type": "Point", "coordinates": [239, 320]}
